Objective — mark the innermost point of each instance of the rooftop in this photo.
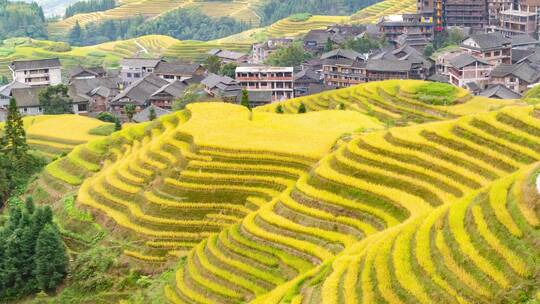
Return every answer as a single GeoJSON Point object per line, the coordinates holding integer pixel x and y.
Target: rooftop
{"type": "Point", "coordinates": [247, 69]}
{"type": "Point", "coordinates": [35, 64]}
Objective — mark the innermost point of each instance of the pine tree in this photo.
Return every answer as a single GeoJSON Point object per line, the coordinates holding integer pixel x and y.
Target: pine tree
{"type": "Point", "coordinates": [329, 45]}
{"type": "Point", "coordinates": [130, 111]}
{"type": "Point", "coordinates": [13, 143]}
{"type": "Point", "coordinates": [245, 99]}
{"type": "Point", "coordinates": [117, 124]}
{"type": "Point", "coordinates": [302, 108]}
{"type": "Point", "coordinates": [51, 260]}
{"type": "Point", "coordinates": [75, 34]}
{"type": "Point", "coordinates": [279, 109]}
{"type": "Point", "coordinates": [152, 114]}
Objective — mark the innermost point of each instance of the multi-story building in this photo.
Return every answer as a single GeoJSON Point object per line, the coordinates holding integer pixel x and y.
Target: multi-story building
{"type": "Point", "coordinates": [493, 48]}
{"type": "Point", "coordinates": [261, 51]}
{"type": "Point", "coordinates": [278, 80]}
{"type": "Point", "coordinates": [134, 69]}
{"type": "Point", "coordinates": [466, 69]}
{"type": "Point", "coordinates": [343, 68]}
{"type": "Point", "coordinates": [518, 20]}
{"type": "Point", "coordinates": [495, 7]}
{"type": "Point", "coordinates": [44, 72]}
{"type": "Point", "coordinates": [415, 25]}
{"type": "Point", "coordinates": [466, 13]}
{"type": "Point", "coordinates": [446, 13]}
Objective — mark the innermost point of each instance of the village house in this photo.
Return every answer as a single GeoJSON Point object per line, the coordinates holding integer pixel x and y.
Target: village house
{"type": "Point", "coordinates": [98, 92]}
{"type": "Point", "coordinates": [384, 69]}
{"type": "Point", "coordinates": [493, 48]}
{"type": "Point", "coordinates": [412, 28]}
{"type": "Point", "coordinates": [80, 72]}
{"type": "Point", "coordinates": [144, 115]}
{"type": "Point", "coordinates": [442, 61]}
{"type": "Point", "coordinates": [145, 91]}
{"type": "Point", "coordinates": [499, 91]}
{"type": "Point", "coordinates": [5, 92]}
{"type": "Point", "coordinates": [465, 69]}
{"type": "Point", "coordinates": [229, 56]}
{"type": "Point", "coordinates": [28, 101]}
{"type": "Point", "coordinates": [43, 72]}
{"type": "Point", "coordinates": [261, 51]}
{"type": "Point", "coordinates": [516, 77]}
{"type": "Point", "coordinates": [306, 82]}
{"type": "Point", "coordinates": [172, 71]}
{"type": "Point", "coordinates": [223, 87]}
{"type": "Point", "coordinates": [277, 80]}
{"type": "Point", "coordinates": [420, 66]}
{"type": "Point", "coordinates": [523, 42]}
{"type": "Point", "coordinates": [134, 69]}
{"type": "Point", "coordinates": [343, 68]}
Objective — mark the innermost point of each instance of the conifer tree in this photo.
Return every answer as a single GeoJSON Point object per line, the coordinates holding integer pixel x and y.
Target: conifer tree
{"type": "Point", "coordinates": [152, 114]}
{"type": "Point", "coordinates": [117, 124]}
{"type": "Point", "coordinates": [245, 99]}
{"type": "Point", "coordinates": [302, 108]}
{"type": "Point", "coordinates": [13, 143]}
{"type": "Point", "coordinates": [130, 111]}
{"type": "Point", "coordinates": [51, 261]}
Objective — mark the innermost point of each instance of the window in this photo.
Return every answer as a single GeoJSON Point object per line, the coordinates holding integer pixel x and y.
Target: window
{"type": "Point", "coordinates": [129, 75]}
{"type": "Point", "coordinates": [82, 107]}
{"type": "Point", "coordinates": [137, 75]}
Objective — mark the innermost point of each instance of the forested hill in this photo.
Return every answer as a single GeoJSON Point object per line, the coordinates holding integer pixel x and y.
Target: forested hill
{"type": "Point", "coordinates": [274, 10]}
{"type": "Point", "coordinates": [18, 19]}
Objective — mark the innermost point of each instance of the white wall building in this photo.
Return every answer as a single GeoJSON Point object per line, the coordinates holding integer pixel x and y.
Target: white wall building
{"type": "Point", "coordinates": [278, 80]}
{"type": "Point", "coordinates": [44, 72]}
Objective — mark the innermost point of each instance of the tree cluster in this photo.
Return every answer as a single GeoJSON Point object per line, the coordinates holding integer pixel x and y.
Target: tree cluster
{"type": "Point", "coordinates": [273, 11]}
{"type": "Point", "coordinates": [17, 165]}
{"type": "Point", "coordinates": [184, 24]}
{"type": "Point", "coordinates": [214, 65]}
{"type": "Point", "coordinates": [32, 255]}
{"type": "Point", "coordinates": [291, 55]}
{"type": "Point", "coordinates": [89, 7]}
{"type": "Point", "coordinates": [362, 45]}
{"type": "Point", "coordinates": [55, 100]}
{"type": "Point", "coordinates": [20, 19]}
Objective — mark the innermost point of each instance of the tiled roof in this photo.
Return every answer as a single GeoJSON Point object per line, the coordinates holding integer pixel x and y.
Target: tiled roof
{"type": "Point", "coordinates": [35, 64]}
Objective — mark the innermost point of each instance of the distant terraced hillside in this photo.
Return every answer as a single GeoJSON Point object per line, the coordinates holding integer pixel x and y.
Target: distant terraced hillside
{"type": "Point", "coordinates": [373, 13]}
{"type": "Point", "coordinates": [106, 54]}
{"type": "Point", "coordinates": [242, 10]}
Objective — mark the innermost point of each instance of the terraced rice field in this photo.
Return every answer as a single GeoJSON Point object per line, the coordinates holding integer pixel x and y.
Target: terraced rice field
{"type": "Point", "coordinates": [331, 206]}
{"type": "Point", "coordinates": [197, 50]}
{"type": "Point", "coordinates": [201, 181]}
{"type": "Point", "coordinates": [289, 28]}
{"type": "Point", "coordinates": [242, 10]}
{"type": "Point", "coordinates": [53, 135]}
{"type": "Point", "coordinates": [431, 177]}
{"type": "Point", "coordinates": [106, 54]}
{"type": "Point", "coordinates": [392, 102]}
{"type": "Point", "coordinates": [373, 13]}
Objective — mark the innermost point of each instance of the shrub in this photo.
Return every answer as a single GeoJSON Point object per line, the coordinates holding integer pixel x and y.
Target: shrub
{"type": "Point", "coordinates": [441, 94]}
{"type": "Point", "coordinates": [104, 130]}
{"type": "Point", "coordinates": [300, 17]}
{"type": "Point", "coordinates": [106, 117]}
